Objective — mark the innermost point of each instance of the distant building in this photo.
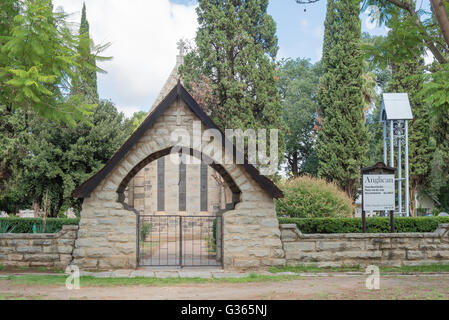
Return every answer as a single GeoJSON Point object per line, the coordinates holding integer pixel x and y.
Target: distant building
{"type": "Point", "coordinates": [26, 213]}
{"type": "Point", "coordinates": [425, 203]}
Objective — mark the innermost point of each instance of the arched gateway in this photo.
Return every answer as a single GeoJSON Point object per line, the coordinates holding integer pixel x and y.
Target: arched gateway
{"type": "Point", "coordinates": [110, 230]}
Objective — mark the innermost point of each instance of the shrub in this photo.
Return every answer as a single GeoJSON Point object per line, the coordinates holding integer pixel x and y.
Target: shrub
{"type": "Point", "coordinates": [25, 225]}
{"type": "Point", "coordinates": [145, 229]}
{"type": "Point", "coordinates": [373, 225]}
{"type": "Point", "coordinates": [308, 197]}
{"type": "Point", "coordinates": [5, 227]}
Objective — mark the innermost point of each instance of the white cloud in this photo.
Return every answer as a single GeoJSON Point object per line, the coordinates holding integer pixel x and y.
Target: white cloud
{"type": "Point", "coordinates": [143, 34]}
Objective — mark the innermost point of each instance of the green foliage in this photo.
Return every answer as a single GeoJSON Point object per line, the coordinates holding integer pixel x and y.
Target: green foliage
{"type": "Point", "coordinates": [137, 119]}
{"type": "Point", "coordinates": [373, 225]}
{"type": "Point", "coordinates": [342, 140]}
{"type": "Point", "coordinates": [57, 158]}
{"type": "Point", "coordinates": [145, 229]}
{"type": "Point", "coordinates": [298, 82]}
{"type": "Point", "coordinates": [13, 137]}
{"type": "Point", "coordinates": [307, 197]}
{"type": "Point", "coordinates": [6, 227]}
{"type": "Point", "coordinates": [236, 47]}
{"type": "Point", "coordinates": [41, 228]}
{"type": "Point", "coordinates": [38, 57]}
{"type": "Point", "coordinates": [436, 94]}
{"type": "Point", "coordinates": [25, 225]}
{"type": "Point", "coordinates": [436, 90]}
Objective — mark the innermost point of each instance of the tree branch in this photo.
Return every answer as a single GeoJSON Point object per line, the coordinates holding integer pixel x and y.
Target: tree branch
{"type": "Point", "coordinates": [409, 7]}
{"type": "Point", "coordinates": [442, 18]}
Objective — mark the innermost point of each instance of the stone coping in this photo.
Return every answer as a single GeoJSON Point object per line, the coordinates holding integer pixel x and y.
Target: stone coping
{"type": "Point", "coordinates": [56, 235]}
{"type": "Point", "coordinates": [218, 274]}
{"type": "Point", "coordinates": [294, 228]}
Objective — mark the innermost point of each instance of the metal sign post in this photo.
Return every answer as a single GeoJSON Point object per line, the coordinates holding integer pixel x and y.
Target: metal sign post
{"type": "Point", "coordinates": [378, 191]}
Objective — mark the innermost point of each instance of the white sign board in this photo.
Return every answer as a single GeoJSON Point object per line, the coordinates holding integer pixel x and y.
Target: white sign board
{"type": "Point", "coordinates": [378, 192]}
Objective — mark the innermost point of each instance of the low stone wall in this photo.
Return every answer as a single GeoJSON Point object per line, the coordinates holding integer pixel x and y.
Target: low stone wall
{"type": "Point", "coordinates": [397, 249]}
{"type": "Point", "coordinates": [51, 250]}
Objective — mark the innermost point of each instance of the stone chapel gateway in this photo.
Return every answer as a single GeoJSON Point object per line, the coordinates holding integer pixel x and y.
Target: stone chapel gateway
{"type": "Point", "coordinates": [142, 209]}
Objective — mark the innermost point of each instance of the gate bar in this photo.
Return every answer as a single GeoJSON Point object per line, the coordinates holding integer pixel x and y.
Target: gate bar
{"type": "Point", "coordinates": [180, 241]}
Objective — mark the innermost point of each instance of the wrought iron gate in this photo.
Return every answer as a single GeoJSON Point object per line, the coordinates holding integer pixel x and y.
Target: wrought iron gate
{"type": "Point", "coordinates": [183, 241]}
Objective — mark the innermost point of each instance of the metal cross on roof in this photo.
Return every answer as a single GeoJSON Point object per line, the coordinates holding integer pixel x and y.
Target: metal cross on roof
{"type": "Point", "coordinates": [181, 45]}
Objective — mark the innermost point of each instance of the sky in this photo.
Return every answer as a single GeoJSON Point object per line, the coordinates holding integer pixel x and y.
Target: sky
{"type": "Point", "coordinates": [143, 36]}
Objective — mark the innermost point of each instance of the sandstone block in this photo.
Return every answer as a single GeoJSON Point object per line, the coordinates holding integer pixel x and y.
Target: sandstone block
{"type": "Point", "coordinates": [29, 249]}
{"type": "Point", "coordinates": [413, 255]}
{"type": "Point", "coordinates": [246, 263]}
{"type": "Point", "coordinates": [12, 257]}
{"type": "Point", "coordinates": [41, 257]}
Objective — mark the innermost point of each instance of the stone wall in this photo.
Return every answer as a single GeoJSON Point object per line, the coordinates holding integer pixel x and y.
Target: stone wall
{"type": "Point", "coordinates": [397, 249]}
{"type": "Point", "coordinates": [51, 250]}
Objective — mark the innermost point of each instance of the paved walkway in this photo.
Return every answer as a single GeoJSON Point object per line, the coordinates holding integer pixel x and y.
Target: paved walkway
{"type": "Point", "coordinates": [169, 272]}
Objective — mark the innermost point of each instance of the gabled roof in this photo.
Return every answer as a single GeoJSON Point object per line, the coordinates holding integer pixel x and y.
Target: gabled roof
{"type": "Point", "coordinates": [178, 91]}
{"type": "Point", "coordinates": [377, 166]}
{"type": "Point", "coordinates": [395, 106]}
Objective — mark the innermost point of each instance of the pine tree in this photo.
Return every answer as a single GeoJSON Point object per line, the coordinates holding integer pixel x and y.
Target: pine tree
{"type": "Point", "coordinates": [342, 140]}
{"type": "Point", "coordinates": [236, 47]}
{"type": "Point", "coordinates": [87, 85]}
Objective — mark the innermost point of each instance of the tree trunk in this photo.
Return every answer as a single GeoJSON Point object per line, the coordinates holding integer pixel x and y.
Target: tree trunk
{"type": "Point", "coordinates": [36, 208]}
{"type": "Point", "coordinates": [295, 164]}
{"type": "Point", "coordinates": [442, 18]}
{"type": "Point", "coordinates": [413, 211]}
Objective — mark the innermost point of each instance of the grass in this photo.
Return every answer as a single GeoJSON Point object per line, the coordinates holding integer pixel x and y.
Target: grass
{"type": "Point", "coordinates": [315, 268]}
{"type": "Point", "coordinates": [91, 281]}
{"type": "Point", "coordinates": [403, 269]}
{"type": "Point", "coordinates": [31, 269]}
{"type": "Point", "coordinates": [423, 268]}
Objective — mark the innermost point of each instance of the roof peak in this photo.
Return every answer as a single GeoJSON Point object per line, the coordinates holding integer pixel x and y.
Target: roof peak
{"type": "Point", "coordinates": [174, 76]}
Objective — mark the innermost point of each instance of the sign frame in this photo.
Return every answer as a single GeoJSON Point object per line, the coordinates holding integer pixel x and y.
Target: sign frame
{"type": "Point", "coordinates": [390, 186]}
{"type": "Point", "coordinates": [379, 168]}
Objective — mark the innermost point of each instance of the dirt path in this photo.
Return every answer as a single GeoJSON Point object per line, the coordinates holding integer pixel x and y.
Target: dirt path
{"type": "Point", "coordinates": [332, 287]}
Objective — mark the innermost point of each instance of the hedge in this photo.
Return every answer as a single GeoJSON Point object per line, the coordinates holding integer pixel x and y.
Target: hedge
{"type": "Point", "coordinates": [25, 225]}
{"type": "Point", "coordinates": [373, 225]}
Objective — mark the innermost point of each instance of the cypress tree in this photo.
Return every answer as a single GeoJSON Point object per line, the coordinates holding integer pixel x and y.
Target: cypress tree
{"type": "Point", "coordinates": [236, 47]}
{"type": "Point", "coordinates": [342, 140]}
{"type": "Point", "coordinates": [87, 85]}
